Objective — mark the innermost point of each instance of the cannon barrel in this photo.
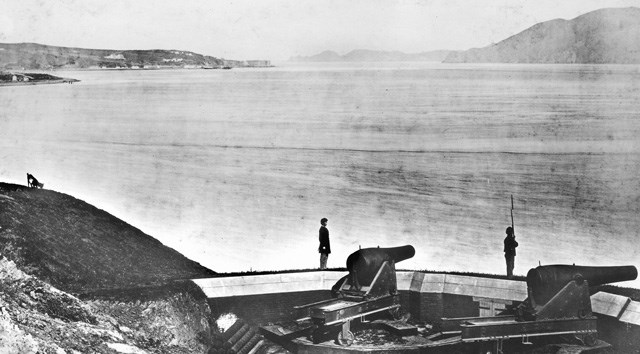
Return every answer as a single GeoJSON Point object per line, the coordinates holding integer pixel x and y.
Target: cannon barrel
{"type": "Point", "coordinates": [366, 262]}
{"type": "Point", "coordinates": [398, 254]}
{"type": "Point", "coordinates": [373, 257]}
{"type": "Point", "coordinates": [545, 281]}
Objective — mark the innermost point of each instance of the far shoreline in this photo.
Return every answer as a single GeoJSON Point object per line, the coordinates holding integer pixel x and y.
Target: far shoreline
{"type": "Point", "coordinates": [32, 78]}
{"type": "Point", "coordinates": [44, 82]}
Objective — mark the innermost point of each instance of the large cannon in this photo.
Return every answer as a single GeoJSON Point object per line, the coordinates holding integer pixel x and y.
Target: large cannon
{"type": "Point", "coordinates": [369, 288]}
{"type": "Point", "coordinates": [562, 291]}
{"type": "Point", "coordinates": [558, 303]}
{"type": "Point", "coordinates": [364, 264]}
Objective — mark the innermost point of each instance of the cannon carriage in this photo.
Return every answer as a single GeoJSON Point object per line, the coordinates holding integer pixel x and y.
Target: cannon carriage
{"type": "Point", "coordinates": [369, 288]}
{"type": "Point", "coordinates": [558, 303]}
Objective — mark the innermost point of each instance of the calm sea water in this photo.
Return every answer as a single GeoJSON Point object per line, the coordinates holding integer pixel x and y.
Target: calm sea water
{"type": "Point", "coordinates": [235, 168]}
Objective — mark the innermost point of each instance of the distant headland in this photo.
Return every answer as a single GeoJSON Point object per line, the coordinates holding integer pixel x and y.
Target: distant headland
{"type": "Point", "coordinates": [34, 56]}
{"type": "Point", "coordinates": [605, 36]}
{"type": "Point", "coordinates": [363, 55]}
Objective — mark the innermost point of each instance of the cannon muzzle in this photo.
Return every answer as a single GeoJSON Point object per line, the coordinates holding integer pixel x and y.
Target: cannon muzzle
{"type": "Point", "coordinates": [544, 282]}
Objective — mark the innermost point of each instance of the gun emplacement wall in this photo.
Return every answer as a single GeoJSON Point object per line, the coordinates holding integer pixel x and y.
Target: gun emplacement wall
{"type": "Point", "coordinates": [261, 299]}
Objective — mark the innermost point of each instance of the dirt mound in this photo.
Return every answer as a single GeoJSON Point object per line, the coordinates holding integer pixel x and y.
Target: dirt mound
{"type": "Point", "coordinates": [80, 248]}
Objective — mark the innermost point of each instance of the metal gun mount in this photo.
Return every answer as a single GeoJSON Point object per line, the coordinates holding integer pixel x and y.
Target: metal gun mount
{"type": "Point", "coordinates": [368, 276]}
{"type": "Point", "coordinates": [562, 291]}
{"type": "Point", "coordinates": [370, 287]}
{"type": "Point", "coordinates": [558, 303]}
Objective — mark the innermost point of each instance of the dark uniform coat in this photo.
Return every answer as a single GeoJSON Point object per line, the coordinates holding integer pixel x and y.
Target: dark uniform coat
{"type": "Point", "coordinates": [510, 245]}
{"type": "Point", "coordinates": [325, 246]}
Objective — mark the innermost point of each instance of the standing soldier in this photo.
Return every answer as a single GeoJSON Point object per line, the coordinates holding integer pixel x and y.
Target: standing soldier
{"type": "Point", "coordinates": [510, 245]}
{"type": "Point", "coordinates": [325, 247]}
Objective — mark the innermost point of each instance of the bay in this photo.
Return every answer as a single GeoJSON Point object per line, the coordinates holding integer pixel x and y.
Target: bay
{"type": "Point", "coordinates": [235, 168]}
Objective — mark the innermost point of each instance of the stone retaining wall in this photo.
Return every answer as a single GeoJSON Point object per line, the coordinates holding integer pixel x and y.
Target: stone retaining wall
{"type": "Point", "coordinates": [428, 297]}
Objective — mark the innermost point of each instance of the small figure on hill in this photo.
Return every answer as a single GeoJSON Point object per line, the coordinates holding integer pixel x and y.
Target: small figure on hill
{"type": "Point", "coordinates": [510, 245]}
{"type": "Point", "coordinates": [33, 182]}
{"type": "Point", "coordinates": [325, 248]}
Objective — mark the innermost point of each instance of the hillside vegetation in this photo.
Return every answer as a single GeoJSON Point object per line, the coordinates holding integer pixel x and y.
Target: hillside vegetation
{"type": "Point", "coordinates": [36, 318]}
{"type": "Point", "coordinates": [598, 37]}
{"type": "Point", "coordinates": [22, 56]}
{"type": "Point", "coordinates": [79, 248]}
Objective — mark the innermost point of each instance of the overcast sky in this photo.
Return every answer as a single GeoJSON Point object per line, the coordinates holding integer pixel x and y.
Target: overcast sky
{"type": "Point", "coordinates": [279, 29]}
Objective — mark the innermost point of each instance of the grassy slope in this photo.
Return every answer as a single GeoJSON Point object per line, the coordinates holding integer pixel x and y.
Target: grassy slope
{"type": "Point", "coordinates": [80, 248]}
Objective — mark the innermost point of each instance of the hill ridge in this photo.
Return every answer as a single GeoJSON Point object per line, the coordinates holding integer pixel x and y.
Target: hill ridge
{"type": "Point", "coordinates": [79, 248]}
{"type": "Point", "coordinates": [368, 55]}
{"type": "Point", "coordinates": [610, 35]}
{"type": "Point", "coordinates": [30, 55]}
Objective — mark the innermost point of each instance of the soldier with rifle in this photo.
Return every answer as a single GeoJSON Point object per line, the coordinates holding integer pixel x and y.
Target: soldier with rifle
{"type": "Point", "coordinates": [510, 245]}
